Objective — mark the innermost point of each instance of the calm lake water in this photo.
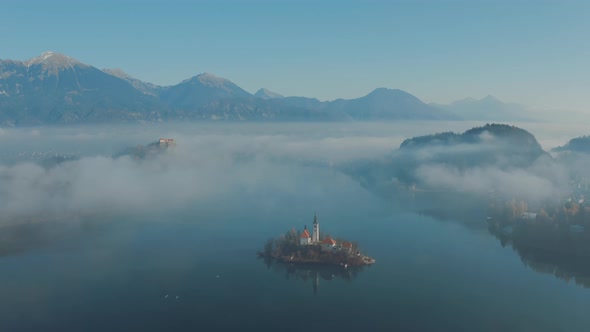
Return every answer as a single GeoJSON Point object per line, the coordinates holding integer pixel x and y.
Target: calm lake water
{"type": "Point", "coordinates": [195, 268]}
{"type": "Point", "coordinates": [126, 274]}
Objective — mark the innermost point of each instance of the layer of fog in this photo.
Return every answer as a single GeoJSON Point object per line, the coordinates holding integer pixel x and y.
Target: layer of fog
{"type": "Point", "coordinates": [492, 166]}
{"type": "Point", "coordinates": [541, 182]}
{"type": "Point", "coordinates": [212, 162]}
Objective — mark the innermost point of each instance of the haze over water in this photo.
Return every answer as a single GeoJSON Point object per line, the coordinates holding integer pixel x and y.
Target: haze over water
{"type": "Point", "coordinates": [125, 238]}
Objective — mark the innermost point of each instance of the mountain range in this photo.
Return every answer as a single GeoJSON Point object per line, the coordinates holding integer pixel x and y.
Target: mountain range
{"type": "Point", "coordinates": [56, 89]}
{"type": "Point", "coordinates": [488, 108]}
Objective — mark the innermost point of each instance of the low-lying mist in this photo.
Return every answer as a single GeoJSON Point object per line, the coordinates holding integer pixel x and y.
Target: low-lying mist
{"type": "Point", "coordinates": [210, 164]}
{"type": "Point", "coordinates": [213, 162]}
{"type": "Point", "coordinates": [492, 166]}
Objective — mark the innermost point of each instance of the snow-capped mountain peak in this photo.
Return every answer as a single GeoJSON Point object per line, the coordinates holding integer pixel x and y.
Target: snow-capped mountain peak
{"type": "Point", "coordinates": [53, 60]}
{"type": "Point", "coordinates": [211, 80]}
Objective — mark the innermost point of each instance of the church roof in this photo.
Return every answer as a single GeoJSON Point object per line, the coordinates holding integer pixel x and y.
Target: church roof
{"type": "Point", "coordinates": [328, 240]}
{"type": "Point", "coordinates": [346, 244]}
{"type": "Point", "coordinates": [305, 234]}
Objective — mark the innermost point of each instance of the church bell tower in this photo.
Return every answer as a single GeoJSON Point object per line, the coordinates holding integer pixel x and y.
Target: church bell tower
{"type": "Point", "coordinates": [315, 237]}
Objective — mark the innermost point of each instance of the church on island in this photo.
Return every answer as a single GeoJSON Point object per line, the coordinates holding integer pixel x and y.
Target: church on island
{"type": "Point", "coordinates": [305, 239]}
{"type": "Point", "coordinates": [311, 248]}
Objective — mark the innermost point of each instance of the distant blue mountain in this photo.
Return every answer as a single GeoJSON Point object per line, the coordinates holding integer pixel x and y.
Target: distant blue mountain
{"type": "Point", "coordinates": [488, 108]}
{"type": "Point", "coordinates": [267, 94]}
{"type": "Point", "coordinates": [390, 104]}
{"type": "Point", "coordinates": [56, 89]}
{"type": "Point", "coordinates": [578, 144]}
{"type": "Point", "coordinates": [201, 90]}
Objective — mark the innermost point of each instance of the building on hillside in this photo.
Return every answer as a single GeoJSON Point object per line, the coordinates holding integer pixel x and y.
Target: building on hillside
{"type": "Point", "coordinates": [305, 238]}
{"type": "Point", "coordinates": [328, 243]}
{"type": "Point", "coordinates": [167, 142]}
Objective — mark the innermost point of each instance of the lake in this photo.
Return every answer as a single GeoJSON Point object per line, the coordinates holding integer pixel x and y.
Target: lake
{"type": "Point", "coordinates": [193, 266]}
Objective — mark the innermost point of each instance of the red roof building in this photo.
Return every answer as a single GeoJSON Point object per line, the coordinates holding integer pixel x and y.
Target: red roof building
{"type": "Point", "coordinates": [328, 243]}
{"type": "Point", "coordinates": [305, 234]}
{"type": "Point", "coordinates": [329, 240]}
{"type": "Point", "coordinates": [305, 238]}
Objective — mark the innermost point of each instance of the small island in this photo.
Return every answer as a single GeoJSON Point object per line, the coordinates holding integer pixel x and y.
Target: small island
{"type": "Point", "coordinates": [312, 249]}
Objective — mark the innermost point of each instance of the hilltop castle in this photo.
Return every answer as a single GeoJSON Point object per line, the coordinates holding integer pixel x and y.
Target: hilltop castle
{"type": "Point", "coordinates": [167, 142]}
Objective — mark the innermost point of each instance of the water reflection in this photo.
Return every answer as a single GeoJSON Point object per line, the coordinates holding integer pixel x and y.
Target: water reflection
{"type": "Point", "coordinates": [462, 207]}
{"type": "Point", "coordinates": [37, 234]}
{"type": "Point", "coordinates": [568, 268]}
{"type": "Point", "coordinates": [551, 250]}
{"type": "Point", "coordinates": [312, 273]}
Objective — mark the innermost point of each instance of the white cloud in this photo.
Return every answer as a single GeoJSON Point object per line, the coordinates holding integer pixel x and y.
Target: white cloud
{"type": "Point", "coordinates": [208, 164]}
{"type": "Point", "coordinates": [541, 181]}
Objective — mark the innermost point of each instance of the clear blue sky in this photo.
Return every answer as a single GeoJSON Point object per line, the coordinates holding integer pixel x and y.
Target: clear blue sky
{"type": "Point", "coordinates": [532, 52]}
